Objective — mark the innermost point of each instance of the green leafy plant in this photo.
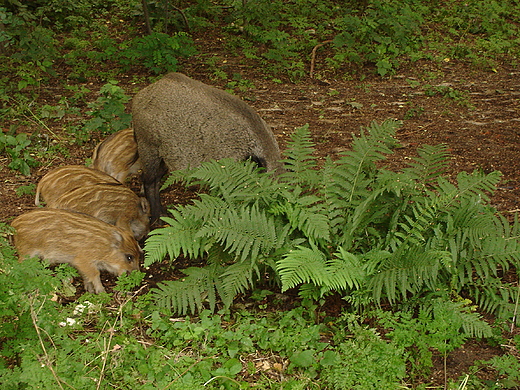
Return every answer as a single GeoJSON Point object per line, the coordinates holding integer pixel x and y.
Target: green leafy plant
{"type": "Point", "coordinates": [384, 32]}
{"type": "Point", "coordinates": [158, 52]}
{"type": "Point", "coordinates": [441, 325]}
{"type": "Point", "coordinates": [351, 226]}
{"type": "Point", "coordinates": [108, 112]}
{"type": "Point", "coordinates": [460, 97]}
{"type": "Point", "coordinates": [366, 362]}
{"type": "Point", "coordinates": [16, 147]}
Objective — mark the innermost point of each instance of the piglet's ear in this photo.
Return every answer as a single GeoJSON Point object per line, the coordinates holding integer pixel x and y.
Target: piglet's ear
{"type": "Point", "coordinates": [117, 239]}
{"type": "Point", "coordinates": [145, 205]}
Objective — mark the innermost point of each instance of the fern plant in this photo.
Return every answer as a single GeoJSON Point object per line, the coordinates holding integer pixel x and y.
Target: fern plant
{"type": "Point", "coordinates": [350, 226]}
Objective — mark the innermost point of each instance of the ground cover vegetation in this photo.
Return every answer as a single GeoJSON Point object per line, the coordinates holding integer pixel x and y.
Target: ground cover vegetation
{"type": "Point", "coordinates": [418, 257]}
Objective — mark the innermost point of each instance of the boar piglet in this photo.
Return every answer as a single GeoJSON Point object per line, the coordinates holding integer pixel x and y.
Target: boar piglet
{"type": "Point", "coordinates": [113, 204]}
{"type": "Point", "coordinates": [117, 155]}
{"type": "Point", "coordinates": [180, 123]}
{"type": "Point", "coordinates": [61, 180]}
{"type": "Point", "coordinates": [84, 242]}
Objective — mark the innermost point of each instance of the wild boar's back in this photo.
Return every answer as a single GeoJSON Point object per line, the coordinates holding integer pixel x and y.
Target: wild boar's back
{"type": "Point", "coordinates": [113, 204]}
{"type": "Point", "coordinates": [66, 178]}
{"type": "Point", "coordinates": [117, 155]}
{"type": "Point", "coordinates": [185, 122]}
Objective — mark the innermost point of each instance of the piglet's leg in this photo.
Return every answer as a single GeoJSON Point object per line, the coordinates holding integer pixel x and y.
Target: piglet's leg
{"type": "Point", "coordinates": [91, 278]}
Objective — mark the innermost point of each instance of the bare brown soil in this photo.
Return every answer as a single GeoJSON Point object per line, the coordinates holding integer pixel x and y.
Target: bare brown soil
{"type": "Point", "coordinates": [478, 117]}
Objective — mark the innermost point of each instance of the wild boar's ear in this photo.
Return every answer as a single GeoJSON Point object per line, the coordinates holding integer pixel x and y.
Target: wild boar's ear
{"type": "Point", "coordinates": [118, 239]}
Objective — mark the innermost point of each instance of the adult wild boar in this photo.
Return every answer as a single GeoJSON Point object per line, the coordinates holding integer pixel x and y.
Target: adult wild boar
{"type": "Point", "coordinates": [117, 155]}
{"type": "Point", "coordinates": [180, 123]}
{"type": "Point", "coordinates": [85, 242]}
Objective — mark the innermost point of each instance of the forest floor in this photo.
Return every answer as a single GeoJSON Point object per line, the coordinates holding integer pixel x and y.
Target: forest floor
{"type": "Point", "coordinates": [476, 112]}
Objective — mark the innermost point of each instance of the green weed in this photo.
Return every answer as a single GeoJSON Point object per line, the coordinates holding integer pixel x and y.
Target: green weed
{"type": "Point", "coordinates": [17, 149]}
{"type": "Point", "coordinates": [108, 113]}
{"type": "Point", "coordinates": [158, 52]}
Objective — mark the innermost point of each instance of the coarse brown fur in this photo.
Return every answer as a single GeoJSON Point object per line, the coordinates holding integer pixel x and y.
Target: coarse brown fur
{"type": "Point", "coordinates": [180, 122]}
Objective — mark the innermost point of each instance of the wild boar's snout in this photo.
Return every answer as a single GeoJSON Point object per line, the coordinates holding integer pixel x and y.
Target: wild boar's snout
{"type": "Point", "coordinates": [180, 122]}
{"type": "Point", "coordinates": [84, 242]}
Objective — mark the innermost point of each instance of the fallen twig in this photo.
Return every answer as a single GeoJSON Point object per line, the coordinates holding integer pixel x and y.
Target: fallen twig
{"type": "Point", "coordinates": [313, 56]}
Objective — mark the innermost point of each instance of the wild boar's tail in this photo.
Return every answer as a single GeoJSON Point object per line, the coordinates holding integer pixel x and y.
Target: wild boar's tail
{"type": "Point", "coordinates": [260, 161]}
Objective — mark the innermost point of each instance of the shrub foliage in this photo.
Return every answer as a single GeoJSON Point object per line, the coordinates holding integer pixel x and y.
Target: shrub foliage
{"type": "Point", "coordinates": [351, 226]}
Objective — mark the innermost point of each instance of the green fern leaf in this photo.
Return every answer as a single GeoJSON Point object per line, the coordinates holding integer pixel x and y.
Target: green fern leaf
{"type": "Point", "coordinates": [299, 161]}
{"type": "Point", "coordinates": [431, 163]}
{"type": "Point", "coordinates": [306, 213]}
{"type": "Point", "coordinates": [246, 232]}
{"type": "Point", "coordinates": [456, 314]}
{"type": "Point", "coordinates": [408, 270]}
{"type": "Point", "coordinates": [302, 265]}
{"type": "Point", "coordinates": [236, 181]}
{"type": "Point", "coordinates": [350, 180]}
{"type": "Point", "coordinates": [179, 237]}
{"type": "Point", "coordinates": [470, 187]}
{"type": "Point", "coordinates": [305, 265]}
{"type": "Point", "coordinates": [184, 296]}
{"type": "Point", "coordinates": [236, 279]}
{"type": "Point", "coordinates": [345, 270]}
{"type": "Point", "coordinates": [206, 208]}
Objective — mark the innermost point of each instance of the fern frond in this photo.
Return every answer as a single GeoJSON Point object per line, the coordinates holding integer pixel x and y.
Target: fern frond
{"type": "Point", "coordinates": [474, 326]}
{"type": "Point", "coordinates": [345, 270]}
{"type": "Point", "coordinates": [407, 271]}
{"type": "Point", "coordinates": [206, 208]}
{"type": "Point", "coordinates": [310, 265]}
{"type": "Point", "coordinates": [302, 265]}
{"type": "Point", "coordinates": [470, 186]}
{"type": "Point", "coordinates": [177, 176]}
{"type": "Point", "coordinates": [299, 161]}
{"type": "Point", "coordinates": [236, 181]}
{"type": "Point", "coordinates": [207, 284]}
{"type": "Point", "coordinates": [185, 296]}
{"type": "Point", "coordinates": [456, 314]}
{"type": "Point", "coordinates": [416, 227]}
{"type": "Point", "coordinates": [245, 232]}
{"type": "Point", "coordinates": [431, 163]}
{"type": "Point", "coordinates": [494, 296]}
{"type": "Point", "coordinates": [481, 244]}
{"type": "Point", "coordinates": [236, 279]}
{"type": "Point", "coordinates": [179, 237]}
{"type": "Point", "coordinates": [372, 212]}
{"type": "Point", "coordinates": [349, 180]}
{"type": "Point", "coordinates": [306, 213]}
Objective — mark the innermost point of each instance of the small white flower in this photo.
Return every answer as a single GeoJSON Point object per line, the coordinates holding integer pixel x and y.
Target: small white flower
{"type": "Point", "coordinates": [68, 322]}
{"type": "Point", "coordinates": [78, 309]}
